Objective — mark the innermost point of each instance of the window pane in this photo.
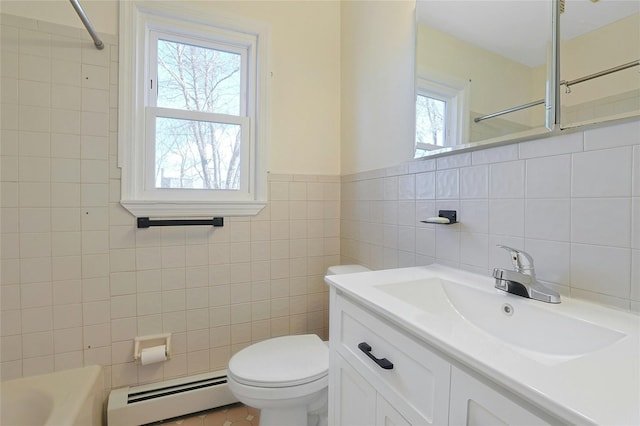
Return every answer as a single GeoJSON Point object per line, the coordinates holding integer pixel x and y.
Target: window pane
{"type": "Point", "coordinates": [430, 121]}
{"type": "Point", "coordinates": [196, 78]}
{"type": "Point", "coordinates": [197, 154]}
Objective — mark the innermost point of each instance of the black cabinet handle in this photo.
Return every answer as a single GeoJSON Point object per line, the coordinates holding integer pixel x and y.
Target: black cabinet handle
{"type": "Point", "coordinates": [382, 362]}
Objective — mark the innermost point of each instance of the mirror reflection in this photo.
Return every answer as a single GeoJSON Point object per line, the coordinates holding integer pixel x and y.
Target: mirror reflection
{"type": "Point", "coordinates": [481, 71]}
{"type": "Point", "coordinates": [599, 60]}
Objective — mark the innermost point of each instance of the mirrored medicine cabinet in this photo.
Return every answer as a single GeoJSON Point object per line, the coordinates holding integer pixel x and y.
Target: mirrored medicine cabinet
{"type": "Point", "coordinates": [490, 72]}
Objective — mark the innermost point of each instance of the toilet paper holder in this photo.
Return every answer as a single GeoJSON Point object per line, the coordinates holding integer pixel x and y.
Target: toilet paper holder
{"type": "Point", "coordinates": [145, 342]}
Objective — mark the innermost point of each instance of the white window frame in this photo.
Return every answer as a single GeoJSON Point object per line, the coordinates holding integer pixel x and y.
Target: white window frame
{"type": "Point", "coordinates": [455, 94]}
{"type": "Point", "coordinates": [141, 24]}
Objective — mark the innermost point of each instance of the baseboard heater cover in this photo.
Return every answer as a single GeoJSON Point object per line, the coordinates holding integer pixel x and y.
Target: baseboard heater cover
{"type": "Point", "coordinates": [139, 405]}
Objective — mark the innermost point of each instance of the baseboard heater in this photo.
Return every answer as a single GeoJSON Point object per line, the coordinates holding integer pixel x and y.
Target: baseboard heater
{"type": "Point", "coordinates": [139, 405]}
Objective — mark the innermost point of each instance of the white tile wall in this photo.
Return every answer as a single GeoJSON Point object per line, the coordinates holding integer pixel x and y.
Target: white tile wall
{"type": "Point", "coordinates": [79, 281]}
{"type": "Point", "coordinates": [572, 201]}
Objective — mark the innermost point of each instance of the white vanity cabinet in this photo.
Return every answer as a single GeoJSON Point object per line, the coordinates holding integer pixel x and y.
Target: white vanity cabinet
{"type": "Point", "coordinates": [415, 391]}
{"type": "Point", "coordinates": [422, 387]}
{"type": "Point", "coordinates": [474, 402]}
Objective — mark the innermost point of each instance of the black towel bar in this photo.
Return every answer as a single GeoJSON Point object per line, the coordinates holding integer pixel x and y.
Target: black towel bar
{"type": "Point", "coordinates": [145, 222]}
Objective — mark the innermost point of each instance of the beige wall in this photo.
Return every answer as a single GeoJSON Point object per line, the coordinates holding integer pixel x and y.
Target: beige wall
{"type": "Point", "coordinates": [597, 51]}
{"type": "Point", "coordinates": [305, 61]}
{"type": "Point", "coordinates": [377, 51]}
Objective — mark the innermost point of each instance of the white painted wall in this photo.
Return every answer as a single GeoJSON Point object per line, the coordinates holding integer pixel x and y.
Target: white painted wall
{"type": "Point", "coordinates": [377, 54]}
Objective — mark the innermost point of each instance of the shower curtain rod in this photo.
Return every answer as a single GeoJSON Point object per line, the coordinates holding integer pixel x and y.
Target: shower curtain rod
{"type": "Point", "coordinates": [562, 83]}
{"type": "Point", "coordinates": [601, 73]}
{"type": "Point", "coordinates": [87, 24]}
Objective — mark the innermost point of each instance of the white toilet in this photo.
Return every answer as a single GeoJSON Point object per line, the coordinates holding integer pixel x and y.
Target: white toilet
{"type": "Point", "coordinates": [286, 377]}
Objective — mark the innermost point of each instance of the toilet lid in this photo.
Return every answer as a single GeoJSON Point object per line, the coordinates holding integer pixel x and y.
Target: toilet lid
{"type": "Point", "coordinates": [281, 361]}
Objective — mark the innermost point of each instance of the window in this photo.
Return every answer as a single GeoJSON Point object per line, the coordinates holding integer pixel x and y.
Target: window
{"type": "Point", "coordinates": [441, 113]}
{"type": "Point", "coordinates": [192, 119]}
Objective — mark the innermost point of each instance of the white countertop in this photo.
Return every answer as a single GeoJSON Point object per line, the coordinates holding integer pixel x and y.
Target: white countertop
{"type": "Point", "coordinates": [601, 387]}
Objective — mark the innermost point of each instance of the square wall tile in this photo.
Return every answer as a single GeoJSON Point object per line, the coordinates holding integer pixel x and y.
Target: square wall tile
{"type": "Point", "coordinates": [35, 43]}
{"type": "Point", "coordinates": [35, 295]}
{"type": "Point", "coordinates": [426, 186]}
{"type": "Point", "coordinates": [474, 250]}
{"type": "Point", "coordinates": [36, 319]}
{"type": "Point", "coordinates": [548, 219]}
{"type": "Point", "coordinates": [495, 155]}
{"type": "Point", "coordinates": [37, 344]}
{"type": "Point", "coordinates": [37, 365]}
{"type": "Point", "coordinates": [407, 187]}
{"type": "Point", "coordinates": [66, 73]}
{"type": "Point", "coordinates": [609, 136]}
{"type": "Point", "coordinates": [506, 180]}
{"type": "Point", "coordinates": [506, 217]}
{"type": "Point", "coordinates": [35, 68]}
{"type": "Point", "coordinates": [474, 182]}
{"type": "Point", "coordinates": [11, 348]}
{"type": "Point", "coordinates": [556, 145]}
{"type": "Point", "coordinates": [447, 184]}
{"type": "Point", "coordinates": [636, 171]}
{"type": "Point", "coordinates": [390, 188]}
{"type": "Point", "coordinates": [474, 216]}
{"type": "Point", "coordinates": [602, 173]}
{"type": "Point", "coordinates": [635, 275]}
{"type": "Point", "coordinates": [592, 221]}
{"type": "Point", "coordinates": [447, 245]}
{"type": "Point", "coordinates": [549, 177]}
{"type": "Point", "coordinates": [453, 161]}
{"type": "Point", "coordinates": [635, 223]}
{"type": "Point", "coordinates": [65, 97]}
{"type": "Point", "coordinates": [33, 144]}
{"type": "Point", "coordinates": [601, 269]}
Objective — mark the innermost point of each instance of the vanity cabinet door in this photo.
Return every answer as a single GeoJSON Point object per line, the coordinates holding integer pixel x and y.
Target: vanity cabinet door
{"type": "Point", "coordinates": [353, 398]}
{"type": "Point", "coordinates": [386, 415]}
{"type": "Point", "coordinates": [407, 374]}
{"type": "Point", "coordinates": [474, 403]}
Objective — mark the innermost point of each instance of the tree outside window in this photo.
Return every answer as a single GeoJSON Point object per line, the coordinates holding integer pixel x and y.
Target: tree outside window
{"type": "Point", "coordinates": [198, 154]}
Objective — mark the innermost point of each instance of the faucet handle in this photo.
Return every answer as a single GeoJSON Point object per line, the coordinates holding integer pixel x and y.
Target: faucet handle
{"type": "Point", "coordinates": [517, 257]}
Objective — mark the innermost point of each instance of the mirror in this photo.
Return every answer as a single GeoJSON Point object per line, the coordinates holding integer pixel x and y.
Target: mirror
{"type": "Point", "coordinates": [483, 69]}
{"type": "Point", "coordinates": [599, 61]}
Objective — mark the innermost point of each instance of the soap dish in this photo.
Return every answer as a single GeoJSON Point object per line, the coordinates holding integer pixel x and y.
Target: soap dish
{"type": "Point", "coordinates": [445, 217]}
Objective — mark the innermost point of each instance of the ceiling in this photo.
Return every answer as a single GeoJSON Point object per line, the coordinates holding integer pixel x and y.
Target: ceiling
{"type": "Point", "coordinates": [519, 29]}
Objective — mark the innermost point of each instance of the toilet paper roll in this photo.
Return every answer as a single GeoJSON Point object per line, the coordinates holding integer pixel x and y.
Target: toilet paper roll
{"type": "Point", "coordinates": [153, 355]}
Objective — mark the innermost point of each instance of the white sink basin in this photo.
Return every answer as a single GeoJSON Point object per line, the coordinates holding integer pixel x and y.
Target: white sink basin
{"type": "Point", "coordinates": [576, 359]}
{"type": "Point", "coordinates": [524, 323]}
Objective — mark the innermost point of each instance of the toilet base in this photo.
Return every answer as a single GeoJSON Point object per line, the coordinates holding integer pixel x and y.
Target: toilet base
{"type": "Point", "coordinates": [291, 417]}
{"type": "Point", "coordinates": [308, 409]}
{"type": "Point", "coordinates": [288, 417]}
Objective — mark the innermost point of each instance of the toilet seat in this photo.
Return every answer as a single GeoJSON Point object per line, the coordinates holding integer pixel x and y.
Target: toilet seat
{"type": "Point", "coordinates": [281, 362]}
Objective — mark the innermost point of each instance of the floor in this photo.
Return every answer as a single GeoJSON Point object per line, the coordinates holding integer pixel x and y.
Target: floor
{"type": "Point", "coordinates": [230, 415]}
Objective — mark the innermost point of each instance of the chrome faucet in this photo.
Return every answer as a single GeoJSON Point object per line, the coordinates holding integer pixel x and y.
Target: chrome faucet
{"type": "Point", "coordinates": [522, 281]}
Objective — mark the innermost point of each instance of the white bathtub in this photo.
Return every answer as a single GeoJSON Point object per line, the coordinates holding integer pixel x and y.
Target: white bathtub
{"type": "Point", "coordinates": [69, 397]}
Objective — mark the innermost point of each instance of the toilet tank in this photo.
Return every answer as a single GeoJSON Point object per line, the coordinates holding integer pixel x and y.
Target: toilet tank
{"type": "Point", "coordinates": [346, 269]}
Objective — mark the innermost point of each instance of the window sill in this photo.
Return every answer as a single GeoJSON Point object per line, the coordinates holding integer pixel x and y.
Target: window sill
{"type": "Point", "coordinates": [192, 209]}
